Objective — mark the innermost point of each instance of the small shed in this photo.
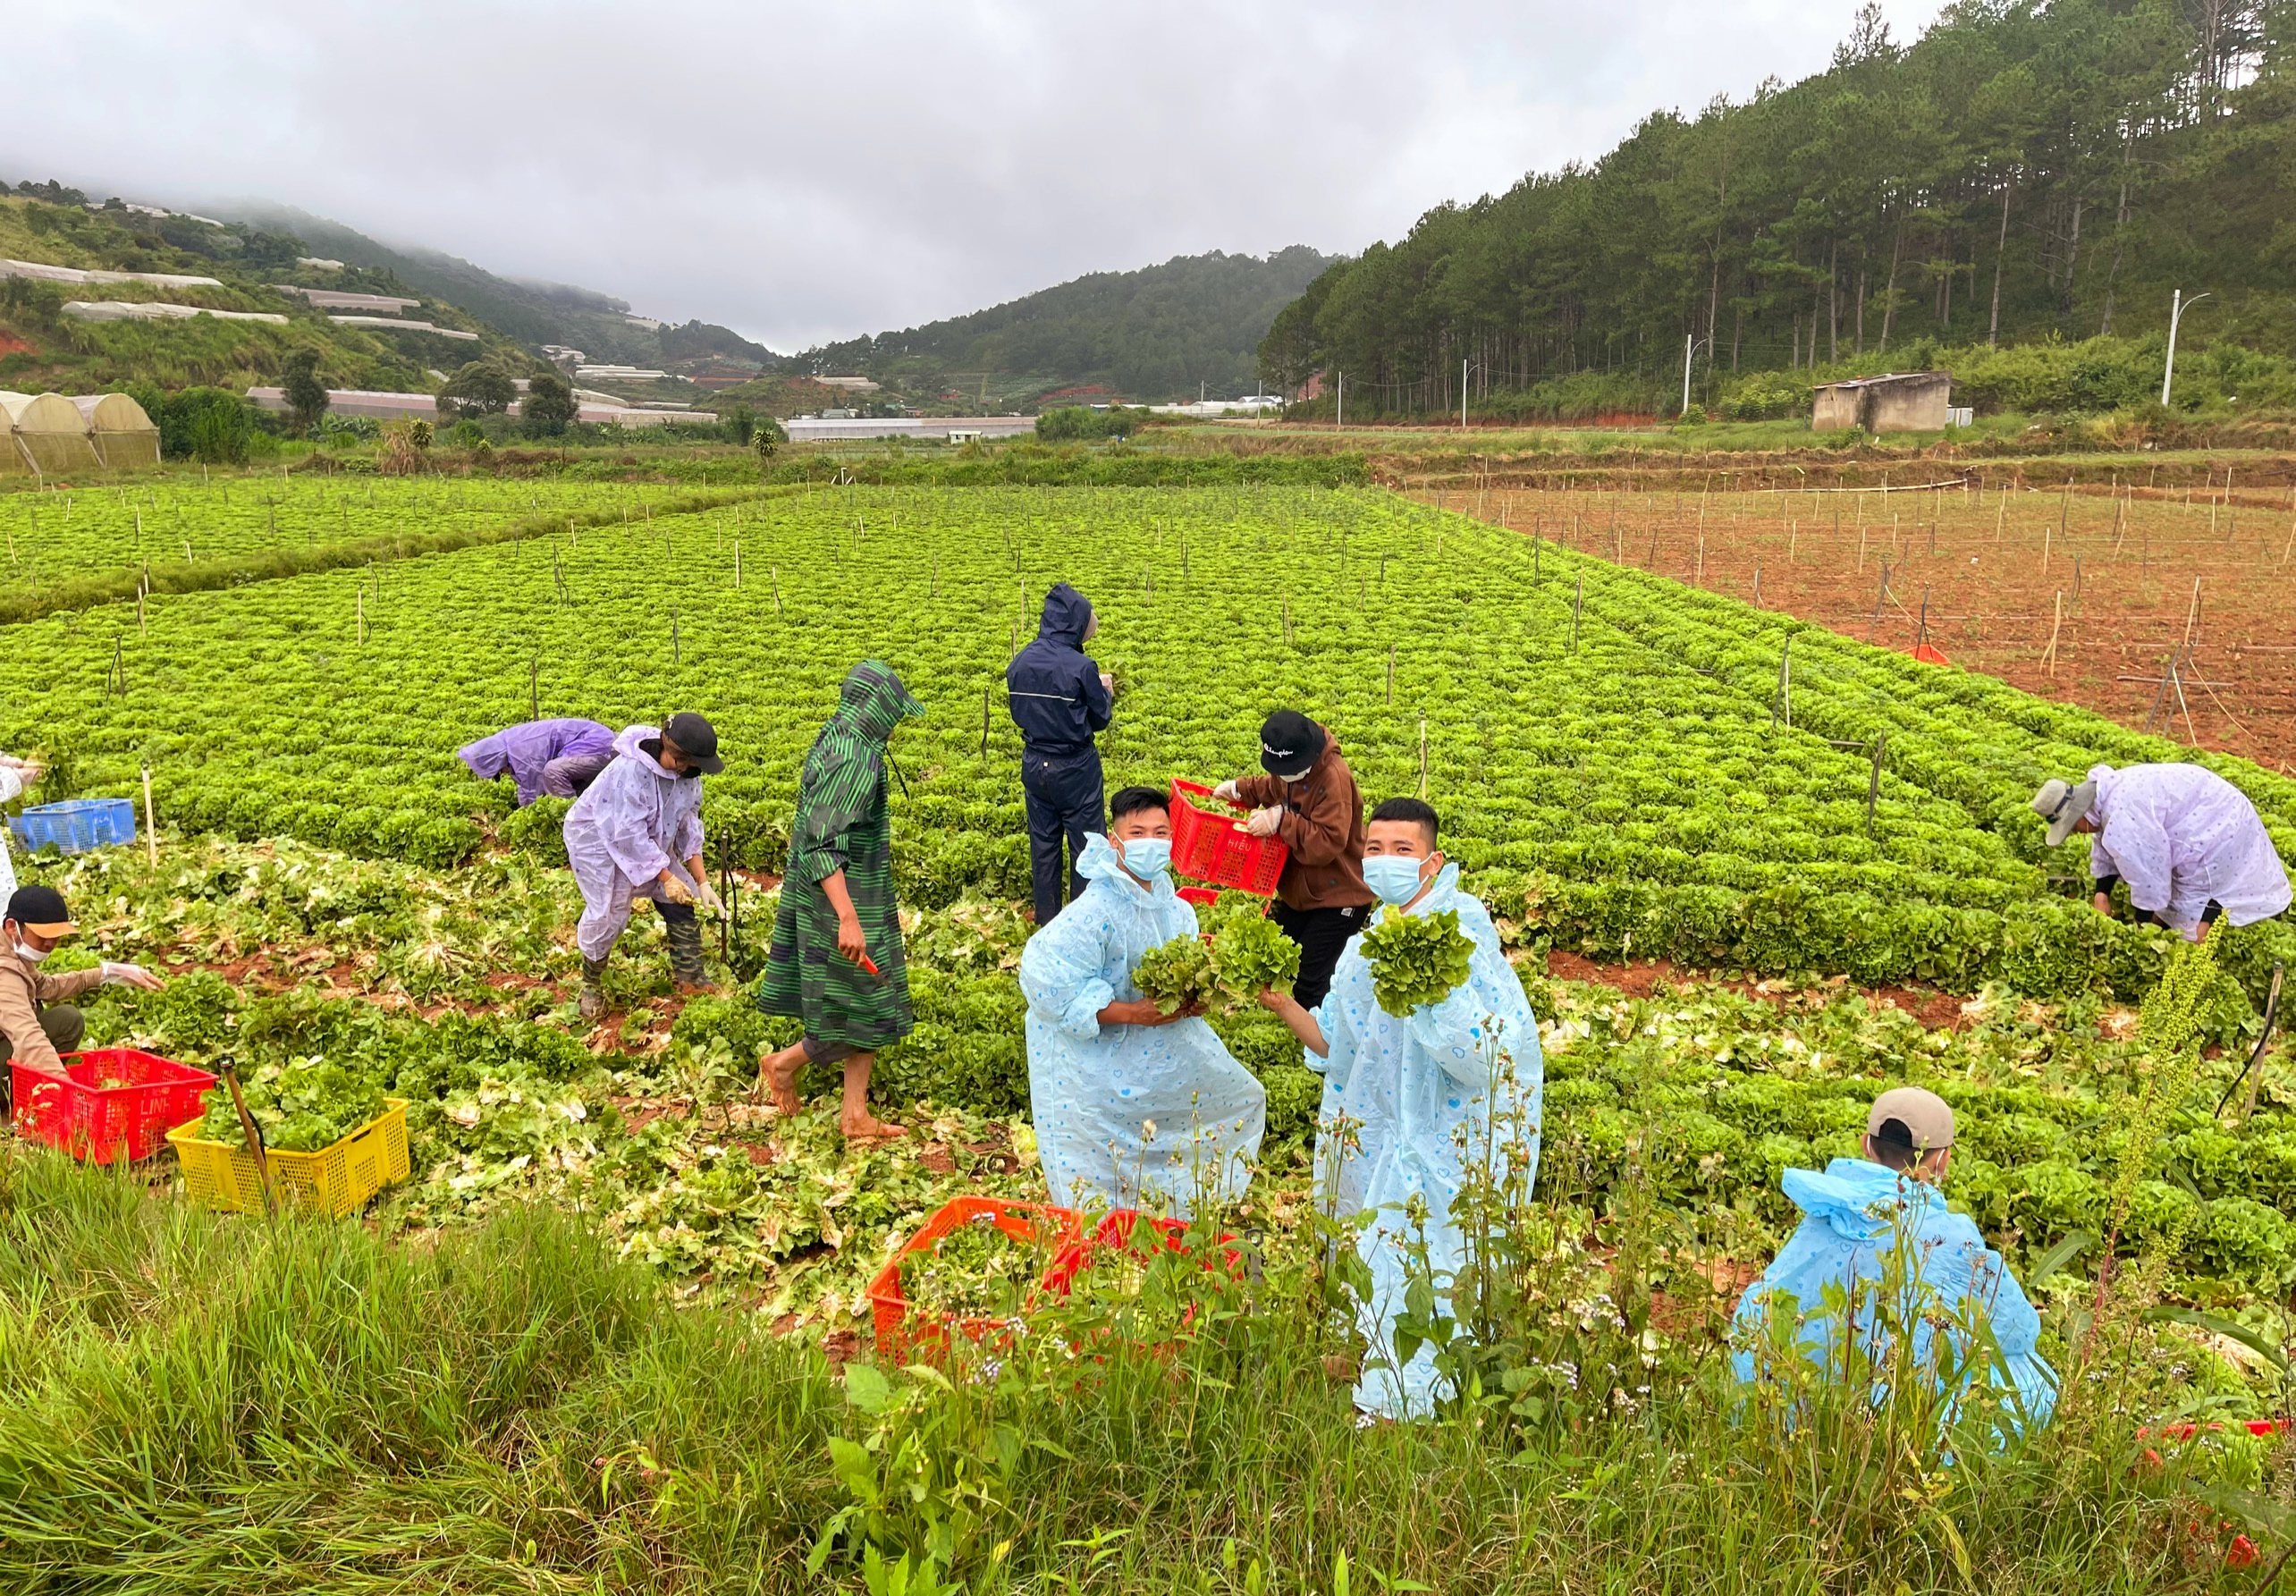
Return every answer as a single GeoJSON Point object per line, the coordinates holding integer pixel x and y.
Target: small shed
{"type": "Point", "coordinates": [1900, 402]}
{"type": "Point", "coordinates": [124, 438]}
{"type": "Point", "coordinates": [46, 434]}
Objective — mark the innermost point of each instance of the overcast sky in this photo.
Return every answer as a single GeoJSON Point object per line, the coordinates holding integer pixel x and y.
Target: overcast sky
{"type": "Point", "coordinates": [803, 172]}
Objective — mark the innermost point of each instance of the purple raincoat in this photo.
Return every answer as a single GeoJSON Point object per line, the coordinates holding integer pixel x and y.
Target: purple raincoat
{"type": "Point", "coordinates": [635, 820]}
{"type": "Point", "coordinates": [524, 749]}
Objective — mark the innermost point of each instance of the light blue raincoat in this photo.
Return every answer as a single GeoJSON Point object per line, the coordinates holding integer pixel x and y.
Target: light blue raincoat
{"type": "Point", "coordinates": [1855, 1212]}
{"type": "Point", "coordinates": [1130, 1116]}
{"type": "Point", "coordinates": [1399, 1099]}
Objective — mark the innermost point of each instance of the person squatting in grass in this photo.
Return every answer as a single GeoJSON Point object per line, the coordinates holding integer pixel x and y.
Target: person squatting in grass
{"type": "Point", "coordinates": [2188, 844]}
{"type": "Point", "coordinates": [38, 1018]}
{"type": "Point", "coordinates": [1058, 698]}
{"type": "Point", "coordinates": [1403, 1099]}
{"type": "Point", "coordinates": [1865, 1215]}
{"type": "Point", "coordinates": [543, 758]}
{"type": "Point", "coordinates": [1310, 800]}
{"type": "Point", "coordinates": [636, 836]}
{"type": "Point", "coordinates": [836, 961]}
{"type": "Point", "coordinates": [1134, 1108]}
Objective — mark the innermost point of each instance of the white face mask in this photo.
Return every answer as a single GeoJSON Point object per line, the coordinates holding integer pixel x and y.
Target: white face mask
{"type": "Point", "coordinates": [32, 954]}
{"type": "Point", "coordinates": [1288, 781]}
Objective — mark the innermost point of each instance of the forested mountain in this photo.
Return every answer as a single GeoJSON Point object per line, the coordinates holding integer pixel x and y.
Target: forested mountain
{"type": "Point", "coordinates": [1151, 334]}
{"type": "Point", "coordinates": [2023, 170]}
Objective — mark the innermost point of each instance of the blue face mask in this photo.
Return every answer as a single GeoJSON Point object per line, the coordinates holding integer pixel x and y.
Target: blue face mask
{"type": "Point", "coordinates": [1147, 858]}
{"type": "Point", "coordinates": [1394, 877]}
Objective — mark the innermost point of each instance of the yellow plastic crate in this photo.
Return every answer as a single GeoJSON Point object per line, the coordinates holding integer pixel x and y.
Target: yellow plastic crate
{"type": "Point", "coordinates": [334, 1180]}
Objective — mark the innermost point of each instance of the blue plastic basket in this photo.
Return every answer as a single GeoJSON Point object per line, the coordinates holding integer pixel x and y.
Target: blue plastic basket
{"type": "Point", "coordinates": [76, 825]}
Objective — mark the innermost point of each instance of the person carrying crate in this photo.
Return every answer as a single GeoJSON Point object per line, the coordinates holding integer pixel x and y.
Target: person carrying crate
{"type": "Point", "coordinates": [1058, 698]}
{"type": "Point", "coordinates": [636, 836]}
{"type": "Point", "coordinates": [1134, 1108]}
{"type": "Point", "coordinates": [37, 1014]}
{"type": "Point", "coordinates": [1309, 798]}
{"type": "Point", "coordinates": [1416, 1107]}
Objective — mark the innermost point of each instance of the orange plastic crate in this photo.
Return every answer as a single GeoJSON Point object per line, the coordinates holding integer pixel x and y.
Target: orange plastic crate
{"type": "Point", "coordinates": [1209, 845]}
{"type": "Point", "coordinates": [900, 1327]}
{"type": "Point", "coordinates": [75, 1112]}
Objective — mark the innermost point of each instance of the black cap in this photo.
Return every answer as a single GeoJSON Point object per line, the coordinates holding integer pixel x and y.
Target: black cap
{"type": "Point", "coordinates": [40, 909]}
{"type": "Point", "coordinates": [696, 739]}
{"type": "Point", "coordinates": [1290, 742]}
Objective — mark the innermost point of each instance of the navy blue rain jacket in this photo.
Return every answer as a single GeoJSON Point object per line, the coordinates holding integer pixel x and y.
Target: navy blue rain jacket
{"type": "Point", "coordinates": [1057, 698]}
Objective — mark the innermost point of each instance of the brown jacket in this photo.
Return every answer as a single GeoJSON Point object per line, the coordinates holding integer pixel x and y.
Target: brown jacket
{"type": "Point", "coordinates": [1322, 825]}
{"type": "Point", "coordinates": [23, 990]}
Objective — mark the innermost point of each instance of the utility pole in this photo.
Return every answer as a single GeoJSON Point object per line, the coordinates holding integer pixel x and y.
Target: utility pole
{"type": "Point", "coordinates": [1689, 343]}
{"type": "Point", "coordinates": [2177, 306]}
{"type": "Point", "coordinates": [1463, 396]}
{"type": "Point", "coordinates": [1342, 399]}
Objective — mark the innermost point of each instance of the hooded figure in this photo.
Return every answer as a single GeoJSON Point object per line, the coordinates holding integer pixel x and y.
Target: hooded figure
{"type": "Point", "coordinates": [1153, 1117]}
{"type": "Point", "coordinates": [638, 820]}
{"type": "Point", "coordinates": [1855, 1215]}
{"type": "Point", "coordinates": [843, 835]}
{"type": "Point", "coordinates": [1408, 1093]}
{"type": "Point", "coordinates": [1059, 699]}
{"type": "Point", "coordinates": [553, 758]}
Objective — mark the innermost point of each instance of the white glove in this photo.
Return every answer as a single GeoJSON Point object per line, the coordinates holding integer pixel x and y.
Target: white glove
{"type": "Point", "coordinates": [674, 889]}
{"type": "Point", "coordinates": [1264, 822]}
{"type": "Point", "coordinates": [1107, 681]}
{"type": "Point", "coordinates": [1226, 793]}
{"type": "Point", "coordinates": [710, 902]}
{"type": "Point", "coordinates": [130, 974]}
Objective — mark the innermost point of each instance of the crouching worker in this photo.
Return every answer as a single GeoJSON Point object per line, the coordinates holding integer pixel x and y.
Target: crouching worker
{"type": "Point", "coordinates": [636, 836]}
{"type": "Point", "coordinates": [38, 1018]}
{"type": "Point", "coordinates": [837, 962]}
{"type": "Point", "coordinates": [1407, 1103]}
{"type": "Point", "coordinates": [543, 758]}
{"type": "Point", "coordinates": [1877, 1231]}
{"type": "Point", "coordinates": [1134, 1108]}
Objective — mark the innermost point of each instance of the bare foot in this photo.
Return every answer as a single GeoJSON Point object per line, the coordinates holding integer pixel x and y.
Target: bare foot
{"type": "Point", "coordinates": [778, 1073]}
{"type": "Point", "coordinates": [864, 1127]}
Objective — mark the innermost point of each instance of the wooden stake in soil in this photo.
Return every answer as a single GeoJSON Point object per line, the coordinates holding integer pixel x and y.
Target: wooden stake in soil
{"type": "Point", "coordinates": [775, 572]}
{"type": "Point", "coordinates": [1873, 782]}
{"type": "Point", "coordinates": [2048, 654]}
{"type": "Point", "coordinates": [151, 826]}
{"type": "Point", "coordinates": [254, 1136]}
{"type": "Point", "coordinates": [534, 688]}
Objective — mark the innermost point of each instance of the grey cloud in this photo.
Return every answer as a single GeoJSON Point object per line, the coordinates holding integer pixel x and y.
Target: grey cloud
{"type": "Point", "coordinates": [803, 172]}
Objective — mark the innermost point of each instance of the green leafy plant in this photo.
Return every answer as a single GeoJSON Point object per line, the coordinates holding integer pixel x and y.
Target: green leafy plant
{"type": "Point", "coordinates": [1176, 974]}
{"type": "Point", "coordinates": [1415, 959]}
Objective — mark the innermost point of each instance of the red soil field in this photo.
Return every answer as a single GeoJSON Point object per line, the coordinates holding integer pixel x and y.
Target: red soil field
{"type": "Point", "coordinates": [2085, 596]}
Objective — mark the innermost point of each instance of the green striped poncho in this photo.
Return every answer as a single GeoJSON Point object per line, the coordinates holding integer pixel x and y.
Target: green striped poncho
{"type": "Point", "coordinates": [842, 823]}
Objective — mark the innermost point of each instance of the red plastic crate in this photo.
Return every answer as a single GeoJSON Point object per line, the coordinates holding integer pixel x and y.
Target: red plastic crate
{"type": "Point", "coordinates": [1202, 897]}
{"type": "Point", "coordinates": [1207, 845]}
{"type": "Point", "coordinates": [74, 1112]}
{"type": "Point", "coordinates": [899, 1328]}
{"type": "Point", "coordinates": [1116, 1232]}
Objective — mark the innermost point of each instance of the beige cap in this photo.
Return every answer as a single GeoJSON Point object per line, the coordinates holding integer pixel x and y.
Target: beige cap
{"type": "Point", "coordinates": [1930, 1117]}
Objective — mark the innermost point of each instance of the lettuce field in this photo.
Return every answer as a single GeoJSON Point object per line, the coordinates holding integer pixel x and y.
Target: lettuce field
{"type": "Point", "coordinates": [1828, 842]}
{"type": "Point", "coordinates": [1628, 767]}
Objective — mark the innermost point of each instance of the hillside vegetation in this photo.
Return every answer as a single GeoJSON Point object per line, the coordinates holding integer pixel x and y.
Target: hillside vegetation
{"type": "Point", "coordinates": [1155, 334]}
{"type": "Point", "coordinates": [42, 348]}
{"type": "Point", "coordinates": [2022, 172]}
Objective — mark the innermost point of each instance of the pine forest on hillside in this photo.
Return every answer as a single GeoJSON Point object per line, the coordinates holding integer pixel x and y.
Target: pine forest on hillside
{"type": "Point", "coordinates": [2021, 171]}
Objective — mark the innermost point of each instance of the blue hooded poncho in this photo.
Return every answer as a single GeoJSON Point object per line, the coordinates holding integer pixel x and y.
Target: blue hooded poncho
{"type": "Point", "coordinates": [1410, 1092]}
{"type": "Point", "coordinates": [1093, 1092]}
{"type": "Point", "coordinates": [1855, 1215]}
